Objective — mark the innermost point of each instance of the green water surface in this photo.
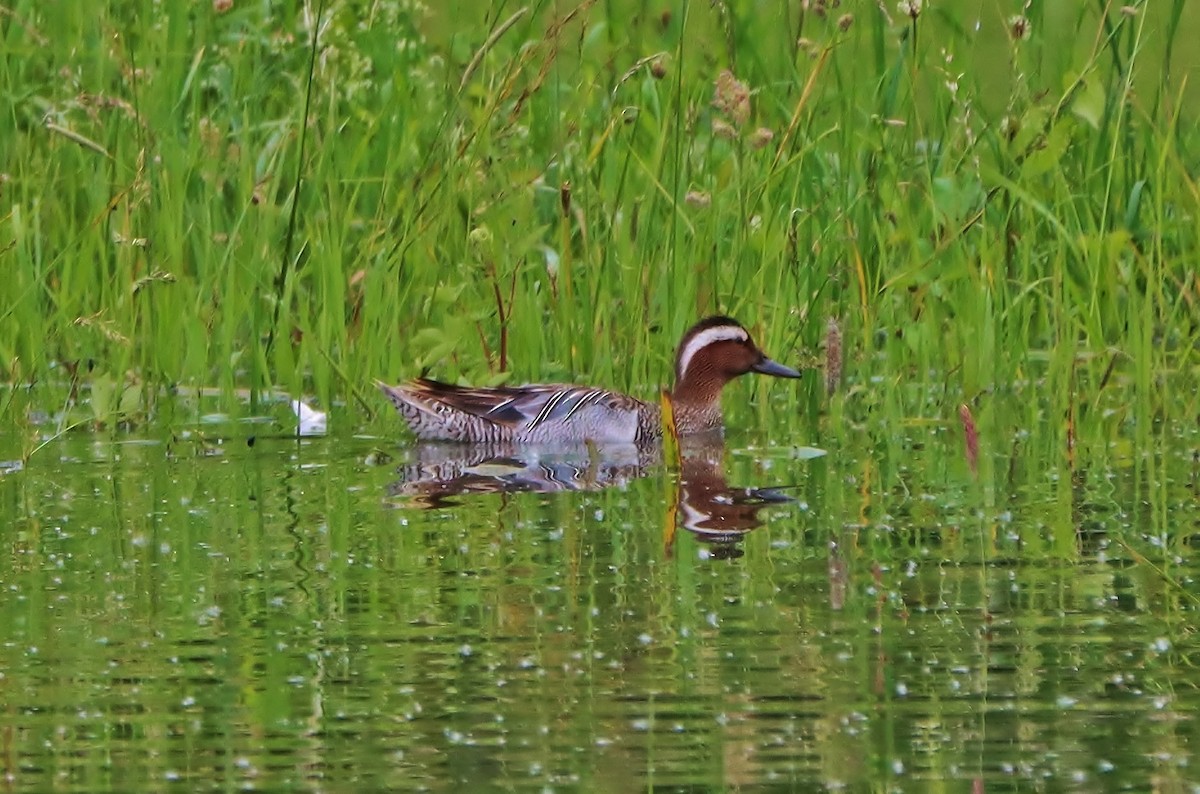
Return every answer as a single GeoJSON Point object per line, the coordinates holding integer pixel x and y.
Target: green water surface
{"type": "Point", "coordinates": [198, 612]}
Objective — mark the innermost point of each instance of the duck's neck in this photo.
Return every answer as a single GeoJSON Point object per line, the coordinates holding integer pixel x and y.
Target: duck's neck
{"type": "Point", "coordinates": [696, 402]}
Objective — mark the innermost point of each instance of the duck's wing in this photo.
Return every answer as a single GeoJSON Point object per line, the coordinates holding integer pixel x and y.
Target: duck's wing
{"type": "Point", "coordinates": [518, 409]}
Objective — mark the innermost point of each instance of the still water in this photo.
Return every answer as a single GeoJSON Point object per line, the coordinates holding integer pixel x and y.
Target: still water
{"type": "Point", "coordinates": [351, 613]}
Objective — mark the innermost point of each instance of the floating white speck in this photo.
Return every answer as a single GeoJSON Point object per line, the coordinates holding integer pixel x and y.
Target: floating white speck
{"type": "Point", "coordinates": [311, 421]}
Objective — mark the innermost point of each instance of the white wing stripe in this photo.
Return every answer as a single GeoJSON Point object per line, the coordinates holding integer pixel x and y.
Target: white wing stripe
{"type": "Point", "coordinates": [584, 399]}
{"type": "Point", "coordinates": [548, 408]}
{"type": "Point", "coordinates": [500, 406]}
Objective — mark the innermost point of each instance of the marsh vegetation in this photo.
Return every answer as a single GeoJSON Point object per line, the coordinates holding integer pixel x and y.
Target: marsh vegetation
{"type": "Point", "coordinates": [977, 224]}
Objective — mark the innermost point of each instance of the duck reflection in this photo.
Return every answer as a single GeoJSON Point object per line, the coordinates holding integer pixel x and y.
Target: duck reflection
{"type": "Point", "coordinates": [705, 504]}
{"type": "Point", "coordinates": [708, 507]}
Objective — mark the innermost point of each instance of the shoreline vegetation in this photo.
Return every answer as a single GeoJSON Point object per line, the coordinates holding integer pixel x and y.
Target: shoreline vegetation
{"type": "Point", "coordinates": [943, 210]}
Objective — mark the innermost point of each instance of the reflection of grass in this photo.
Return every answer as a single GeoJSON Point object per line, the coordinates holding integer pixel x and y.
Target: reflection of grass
{"type": "Point", "coordinates": [562, 195]}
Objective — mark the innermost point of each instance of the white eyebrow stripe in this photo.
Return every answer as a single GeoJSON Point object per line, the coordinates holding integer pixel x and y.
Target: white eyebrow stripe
{"type": "Point", "coordinates": [720, 333]}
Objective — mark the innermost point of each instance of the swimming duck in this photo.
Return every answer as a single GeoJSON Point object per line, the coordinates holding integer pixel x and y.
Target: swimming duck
{"type": "Point", "coordinates": [713, 352]}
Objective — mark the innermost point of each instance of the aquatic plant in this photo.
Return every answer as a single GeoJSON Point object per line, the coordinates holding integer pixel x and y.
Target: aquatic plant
{"type": "Point", "coordinates": [297, 200]}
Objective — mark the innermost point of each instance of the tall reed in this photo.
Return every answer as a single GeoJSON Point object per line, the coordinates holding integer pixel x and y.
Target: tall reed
{"type": "Point", "coordinates": [998, 205]}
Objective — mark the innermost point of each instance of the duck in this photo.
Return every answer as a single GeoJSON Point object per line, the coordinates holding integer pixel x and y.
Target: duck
{"type": "Point", "coordinates": [712, 352]}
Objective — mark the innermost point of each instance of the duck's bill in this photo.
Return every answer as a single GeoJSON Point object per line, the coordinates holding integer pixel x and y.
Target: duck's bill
{"type": "Point", "coordinates": [769, 367]}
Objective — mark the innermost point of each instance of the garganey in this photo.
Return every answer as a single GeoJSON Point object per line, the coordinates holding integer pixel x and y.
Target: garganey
{"type": "Point", "coordinates": [713, 352]}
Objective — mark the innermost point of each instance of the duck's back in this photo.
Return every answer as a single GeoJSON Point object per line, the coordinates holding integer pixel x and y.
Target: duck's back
{"type": "Point", "coordinates": [536, 414]}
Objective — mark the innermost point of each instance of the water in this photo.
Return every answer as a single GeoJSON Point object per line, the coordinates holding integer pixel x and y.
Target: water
{"type": "Point", "coordinates": [201, 613]}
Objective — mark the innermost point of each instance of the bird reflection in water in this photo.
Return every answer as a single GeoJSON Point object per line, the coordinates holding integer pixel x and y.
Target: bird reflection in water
{"type": "Point", "coordinates": [705, 504]}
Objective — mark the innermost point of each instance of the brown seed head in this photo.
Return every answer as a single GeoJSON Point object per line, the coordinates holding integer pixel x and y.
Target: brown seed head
{"type": "Point", "coordinates": [1018, 27]}
{"type": "Point", "coordinates": [723, 129]}
{"type": "Point", "coordinates": [970, 437]}
{"type": "Point", "coordinates": [731, 97]}
{"type": "Point", "coordinates": [833, 356]}
{"type": "Point", "coordinates": [761, 137]}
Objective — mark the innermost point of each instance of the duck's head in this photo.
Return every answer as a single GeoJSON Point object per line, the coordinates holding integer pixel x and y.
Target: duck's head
{"type": "Point", "coordinates": [713, 352]}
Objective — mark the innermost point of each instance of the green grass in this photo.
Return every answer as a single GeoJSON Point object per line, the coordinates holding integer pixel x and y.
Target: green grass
{"type": "Point", "coordinates": [204, 199]}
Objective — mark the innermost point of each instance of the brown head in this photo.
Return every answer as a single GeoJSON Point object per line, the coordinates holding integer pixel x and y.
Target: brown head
{"type": "Point", "coordinates": [713, 352]}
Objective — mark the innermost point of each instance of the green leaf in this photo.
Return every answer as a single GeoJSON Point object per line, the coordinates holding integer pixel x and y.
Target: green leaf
{"type": "Point", "coordinates": [103, 395]}
{"type": "Point", "coordinates": [1051, 151]}
{"type": "Point", "coordinates": [1031, 126]}
{"type": "Point", "coordinates": [955, 199]}
{"type": "Point", "coordinates": [1089, 103]}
